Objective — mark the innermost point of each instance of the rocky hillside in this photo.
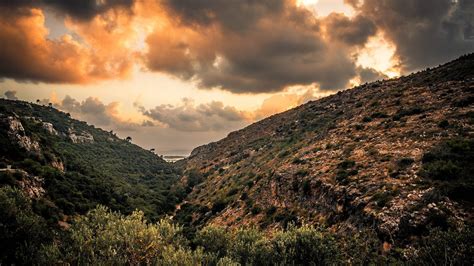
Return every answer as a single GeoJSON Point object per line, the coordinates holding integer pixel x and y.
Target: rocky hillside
{"type": "Point", "coordinates": [68, 166]}
{"type": "Point", "coordinates": [394, 155]}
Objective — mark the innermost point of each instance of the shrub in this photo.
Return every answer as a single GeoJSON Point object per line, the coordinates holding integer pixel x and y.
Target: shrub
{"type": "Point", "coordinates": [359, 127]}
{"type": "Point", "coordinates": [443, 124]}
{"type": "Point", "coordinates": [450, 163]}
{"type": "Point", "coordinates": [297, 160]}
{"type": "Point", "coordinates": [232, 192]}
{"type": "Point", "coordinates": [407, 112]}
{"type": "Point", "coordinates": [270, 211]}
{"type": "Point", "coordinates": [218, 206]}
{"type": "Point", "coordinates": [305, 246]}
{"type": "Point", "coordinates": [105, 237]}
{"type": "Point", "coordinates": [346, 164]}
{"type": "Point", "coordinates": [7, 178]}
{"type": "Point", "coordinates": [255, 210]}
{"type": "Point", "coordinates": [307, 187]}
{"type": "Point", "coordinates": [284, 154]}
{"type": "Point", "coordinates": [22, 232]}
{"type": "Point", "coordinates": [249, 247]}
{"type": "Point", "coordinates": [302, 172]}
{"type": "Point", "coordinates": [446, 248]}
{"type": "Point", "coordinates": [366, 119]}
{"type": "Point", "coordinates": [213, 239]}
{"type": "Point", "coordinates": [405, 162]}
{"type": "Point", "coordinates": [379, 115]}
{"type": "Point", "coordinates": [382, 198]}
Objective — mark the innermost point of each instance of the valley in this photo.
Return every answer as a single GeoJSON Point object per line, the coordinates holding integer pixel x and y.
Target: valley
{"type": "Point", "coordinates": [384, 169]}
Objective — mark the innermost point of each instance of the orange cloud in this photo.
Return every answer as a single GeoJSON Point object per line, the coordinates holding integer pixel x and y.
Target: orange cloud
{"type": "Point", "coordinates": [27, 54]}
{"type": "Point", "coordinates": [238, 46]}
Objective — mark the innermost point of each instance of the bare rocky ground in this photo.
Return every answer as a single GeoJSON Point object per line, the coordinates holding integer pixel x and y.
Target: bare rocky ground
{"type": "Point", "coordinates": [348, 161]}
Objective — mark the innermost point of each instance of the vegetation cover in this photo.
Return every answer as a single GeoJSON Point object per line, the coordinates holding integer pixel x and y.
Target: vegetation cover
{"type": "Point", "coordinates": [363, 177]}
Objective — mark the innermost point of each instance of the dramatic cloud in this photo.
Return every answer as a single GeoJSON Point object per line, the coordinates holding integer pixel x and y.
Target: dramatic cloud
{"type": "Point", "coordinates": [353, 31]}
{"type": "Point", "coordinates": [82, 10]}
{"type": "Point", "coordinates": [27, 54]}
{"type": "Point", "coordinates": [255, 46]}
{"type": "Point", "coordinates": [234, 15]}
{"type": "Point", "coordinates": [11, 95]}
{"type": "Point", "coordinates": [425, 33]}
{"type": "Point", "coordinates": [213, 116]}
{"type": "Point", "coordinates": [239, 46]}
{"type": "Point", "coordinates": [370, 74]}
{"type": "Point", "coordinates": [96, 112]}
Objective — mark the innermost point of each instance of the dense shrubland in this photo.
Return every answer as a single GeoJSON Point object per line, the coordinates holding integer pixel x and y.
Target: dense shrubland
{"type": "Point", "coordinates": [105, 237]}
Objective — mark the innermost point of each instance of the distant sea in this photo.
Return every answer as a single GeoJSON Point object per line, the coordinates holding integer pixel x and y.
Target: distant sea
{"type": "Point", "coordinates": [173, 158]}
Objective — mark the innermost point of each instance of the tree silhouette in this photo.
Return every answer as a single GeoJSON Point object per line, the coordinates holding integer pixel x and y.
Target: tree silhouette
{"type": "Point", "coordinates": [129, 139]}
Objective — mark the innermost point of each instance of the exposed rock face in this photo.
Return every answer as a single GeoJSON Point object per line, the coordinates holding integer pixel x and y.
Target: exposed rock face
{"type": "Point", "coordinates": [17, 133]}
{"type": "Point", "coordinates": [31, 185]}
{"type": "Point", "coordinates": [348, 160]}
{"type": "Point", "coordinates": [80, 137]}
{"type": "Point", "coordinates": [50, 128]}
{"type": "Point", "coordinates": [58, 165]}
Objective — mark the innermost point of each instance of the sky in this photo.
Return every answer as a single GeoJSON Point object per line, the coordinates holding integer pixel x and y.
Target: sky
{"type": "Point", "coordinates": [176, 74]}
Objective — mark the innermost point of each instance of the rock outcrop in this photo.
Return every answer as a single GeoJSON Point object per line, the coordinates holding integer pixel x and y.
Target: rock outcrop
{"type": "Point", "coordinates": [80, 137]}
{"type": "Point", "coordinates": [17, 133]}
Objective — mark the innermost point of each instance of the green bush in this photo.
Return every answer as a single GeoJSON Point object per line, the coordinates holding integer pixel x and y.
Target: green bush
{"type": "Point", "coordinates": [446, 248]}
{"type": "Point", "coordinates": [307, 187]}
{"type": "Point", "coordinates": [405, 162]}
{"type": "Point", "coordinates": [218, 206]}
{"type": "Point", "coordinates": [450, 164]}
{"type": "Point", "coordinates": [22, 232]}
{"type": "Point", "coordinates": [407, 112]}
{"type": "Point", "coordinates": [443, 124]}
{"type": "Point", "coordinates": [271, 210]}
{"type": "Point", "coordinates": [305, 246]}
{"type": "Point", "coordinates": [102, 237]}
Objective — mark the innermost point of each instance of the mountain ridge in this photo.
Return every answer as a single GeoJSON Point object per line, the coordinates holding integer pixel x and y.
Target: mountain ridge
{"type": "Point", "coordinates": [351, 159]}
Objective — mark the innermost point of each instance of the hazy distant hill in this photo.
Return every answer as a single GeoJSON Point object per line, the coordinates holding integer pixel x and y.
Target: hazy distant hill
{"type": "Point", "coordinates": [70, 166]}
{"type": "Point", "coordinates": [394, 155]}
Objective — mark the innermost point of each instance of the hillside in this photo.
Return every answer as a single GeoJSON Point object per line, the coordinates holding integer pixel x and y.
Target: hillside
{"type": "Point", "coordinates": [394, 155]}
{"type": "Point", "coordinates": [374, 175]}
{"type": "Point", "coordinates": [69, 167]}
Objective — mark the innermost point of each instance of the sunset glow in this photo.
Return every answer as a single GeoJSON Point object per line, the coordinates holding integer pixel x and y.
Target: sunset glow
{"type": "Point", "coordinates": [244, 62]}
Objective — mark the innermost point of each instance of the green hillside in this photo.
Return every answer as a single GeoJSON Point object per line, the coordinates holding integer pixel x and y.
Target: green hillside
{"type": "Point", "coordinates": [80, 165]}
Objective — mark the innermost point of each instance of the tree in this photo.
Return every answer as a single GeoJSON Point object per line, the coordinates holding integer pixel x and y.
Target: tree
{"type": "Point", "coordinates": [103, 237]}
{"type": "Point", "coordinates": [22, 232]}
{"type": "Point", "coordinates": [129, 139]}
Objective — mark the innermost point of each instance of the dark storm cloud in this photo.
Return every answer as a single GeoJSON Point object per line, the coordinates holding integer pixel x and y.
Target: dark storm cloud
{"type": "Point", "coordinates": [78, 9]}
{"type": "Point", "coordinates": [353, 31]}
{"type": "Point", "coordinates": [11, 95]}
{"type": "Point", "coordinates": [425, 33]}
{"type": "Point", "coordinates": [232, 14]}
{"type": "Point", "coordinates": [370, 74]}
{"type": "Point", "coordinates": [256, 46]}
